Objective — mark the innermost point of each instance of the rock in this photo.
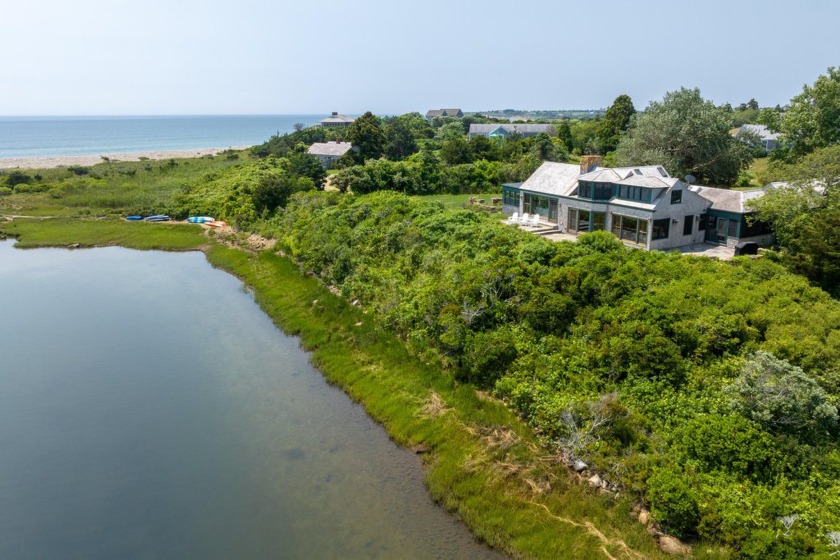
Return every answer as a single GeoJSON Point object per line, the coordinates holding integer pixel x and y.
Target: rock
{"type": "Point", "coordinates": [420, 448]}
{"type": "Point", "coordinates": [595, 481]}
{"type": "Point", "coordinates": [355, 302]}
{"type": "Point", "coordinates": [670, 545]}
{"type": "Point", "coordinates": [359, 324]}
{"type": "Point", "coordinates": [579, 466]}
{"type": "Point", "coordinates": [644, 517]}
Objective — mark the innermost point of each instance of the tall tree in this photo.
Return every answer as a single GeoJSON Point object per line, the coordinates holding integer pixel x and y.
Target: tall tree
{"type": "Point", "coordinates": [806, 216]}
{"type": "Point", "coordinates": [686, 134]}
{"type": "Point", "coordinates": [564, 132]}
{"type": "Point", "coordinates": [616, 120]}
{"type": "Point", "coordinates": [813, 117]}
{"type": "Point", "coordinates": [399, 140]}
{"type": "Point", "coordinates": [366, 134]}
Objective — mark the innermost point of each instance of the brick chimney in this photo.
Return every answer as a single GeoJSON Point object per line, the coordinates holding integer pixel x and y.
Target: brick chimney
{"type": "Point", "coordinates": [589, 163]}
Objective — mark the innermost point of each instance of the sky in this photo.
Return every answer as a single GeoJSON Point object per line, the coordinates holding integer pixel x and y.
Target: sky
{"type": "Point", "coordinates": [162, 57]}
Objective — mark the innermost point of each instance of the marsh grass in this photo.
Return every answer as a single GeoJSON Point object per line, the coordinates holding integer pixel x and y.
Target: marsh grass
{"type": "Point", "coordinates": [40, 232]}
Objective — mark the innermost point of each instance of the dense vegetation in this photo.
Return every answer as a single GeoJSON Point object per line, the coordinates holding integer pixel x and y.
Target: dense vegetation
{"type": "Point", "coordinates": [708, 389]}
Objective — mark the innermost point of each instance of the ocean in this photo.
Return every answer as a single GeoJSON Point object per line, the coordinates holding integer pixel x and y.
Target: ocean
{"type": "Point", "coordinates": [25, 137]}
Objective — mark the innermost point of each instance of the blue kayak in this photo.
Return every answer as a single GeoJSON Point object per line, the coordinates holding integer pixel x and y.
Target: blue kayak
{"type": "Point", "coordinates": [200, 219]}
{"type": "Point", "coordinates": [134, 218]}
{"type": "Point", "coordinates": [158, 218]}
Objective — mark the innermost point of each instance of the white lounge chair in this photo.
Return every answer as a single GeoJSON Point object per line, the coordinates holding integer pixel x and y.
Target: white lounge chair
{"type": "Point", "coordinates": [514, 218]}
{"type": "Point", "coordinates": [524, 219]}
{"type": "Point", "coordinates": [535, 220]}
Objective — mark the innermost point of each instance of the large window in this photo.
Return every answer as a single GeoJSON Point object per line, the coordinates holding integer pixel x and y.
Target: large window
{"type": "Point", "coordinates": [630, 229]}
{"type": "Point", "coordinates": [599, 221]}
{"type": "Point", "coordinates": [510, 197]}
{"type": "Point", "coordinates": [586, 220]}
{"type": "Point", "coordinates": [733, 228]}
{"type": "Point", "coordinates": [542, 205]}
{"type": "Point", "coordinates": [596, 191]}
{"type": "Point", "coordinates": [660, 228]}
{"type": "Point", "coordinates": [640, 194]}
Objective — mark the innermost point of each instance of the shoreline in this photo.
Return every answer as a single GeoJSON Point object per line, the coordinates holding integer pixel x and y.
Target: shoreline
{"type": "Point", "coordinates": [50, 162]}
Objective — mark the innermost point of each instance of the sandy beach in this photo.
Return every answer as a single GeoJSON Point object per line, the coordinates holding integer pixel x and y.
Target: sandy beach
{"type": "Point", "coordinates": [44, 162]}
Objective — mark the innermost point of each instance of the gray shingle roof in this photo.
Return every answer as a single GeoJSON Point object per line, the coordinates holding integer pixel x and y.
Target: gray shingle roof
{"type": "Point", "coordinates": [330, 148]}
{"type": "Point", "coordinates": [432, 113]}
{"type": "Point", "coordinates": [615, 174]}
{"type": "Point", "coordinates": [758, 129]}
{"type": "Point", "coordinates": [512, 128]}
{"type": "Point", "coordinates": [726, 200]}
{"type": "Point", "coordinates": [553, 178]}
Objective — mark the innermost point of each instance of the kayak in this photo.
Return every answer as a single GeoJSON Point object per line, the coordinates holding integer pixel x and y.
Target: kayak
{"type": "Point", "coordinates": [134, 218]}
{"type": "Point", "coordinates": [158, 218]}
{"type": "Point", "coordinates": [216, 223]}
{"type": "Point", "coordinates": [200, 219]}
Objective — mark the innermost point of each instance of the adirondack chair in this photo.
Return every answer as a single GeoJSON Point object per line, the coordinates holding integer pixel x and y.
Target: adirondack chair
{"type": "Point", "coordinates": [535, 220]}
{"type": "Point", "coordinates": [525, 219]}
{"type": "Point", "coordinates": [514, 218]}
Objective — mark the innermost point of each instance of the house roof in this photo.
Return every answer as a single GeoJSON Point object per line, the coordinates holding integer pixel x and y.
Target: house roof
{"type": "Point", "coordinates": [649, 181]}
{"type": "Point", "coordinates": [553, 178]}
{"type": "Point", "coordinates": [335, 118]}
{"type": "Point", "coordinates": [330, 148]}
{"type": "Point", "coordinates": [431, 113]}
{"type": "Point", "coordinates": [616, 174]}
{"type": "Point", "coordinates": [512, 128]}
{"type": "Point", "coordinates": [726, 200]}
{"type": "Point", "coordinates": [758, 129]}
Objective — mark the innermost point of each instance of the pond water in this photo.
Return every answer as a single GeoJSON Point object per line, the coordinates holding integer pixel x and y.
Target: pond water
{"type": "Point", "coordinates": [150, 409]}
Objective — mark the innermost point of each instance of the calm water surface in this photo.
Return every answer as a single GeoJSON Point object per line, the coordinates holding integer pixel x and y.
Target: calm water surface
{"type": "Point", "coordinates": [149, 409]}
{"type": "Point", "coordinates": [71, 136]}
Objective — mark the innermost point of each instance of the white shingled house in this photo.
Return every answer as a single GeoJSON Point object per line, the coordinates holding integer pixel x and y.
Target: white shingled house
{"type": "Point", "coordinates": [329, 152]}
{"type": "Point", "coordinates": [643, 206]}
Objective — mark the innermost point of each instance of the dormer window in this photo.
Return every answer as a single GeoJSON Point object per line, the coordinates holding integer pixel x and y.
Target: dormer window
{"type": "Point", "coordinates": [676, 197]}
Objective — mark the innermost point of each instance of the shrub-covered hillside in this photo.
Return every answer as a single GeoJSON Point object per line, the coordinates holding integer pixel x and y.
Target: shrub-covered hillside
{"type": "Point", "coordinates": [708, 389]}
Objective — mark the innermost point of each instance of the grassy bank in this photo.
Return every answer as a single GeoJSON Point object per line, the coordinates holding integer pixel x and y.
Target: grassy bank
{"type": "Point", "coordinates": [481, 462]}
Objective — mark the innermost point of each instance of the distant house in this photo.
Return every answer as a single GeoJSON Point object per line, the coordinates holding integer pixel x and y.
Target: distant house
{"type": "Point", "coordinates": [769, 140]}
{"type": "Point", "coordinates": [329, 152]}
{"type": "Point", "coordinates": [643, 206]}
{"type": "Point", "coordinates": [337, 121]}
{"type": "Point", "coordinates": [505, 130]}
{"type": "Point", "coordinates": [433, 113]}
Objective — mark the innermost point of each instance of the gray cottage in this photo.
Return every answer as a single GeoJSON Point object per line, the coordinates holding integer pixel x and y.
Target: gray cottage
{"type": "Point", "coordinates": [643, 206]}
{"type": "Point", "coordinates": [329, 152]}
{"type": "Point", "coordinates": [505, 130]}
{"type": "Point", "coordinates": [768, 140]}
